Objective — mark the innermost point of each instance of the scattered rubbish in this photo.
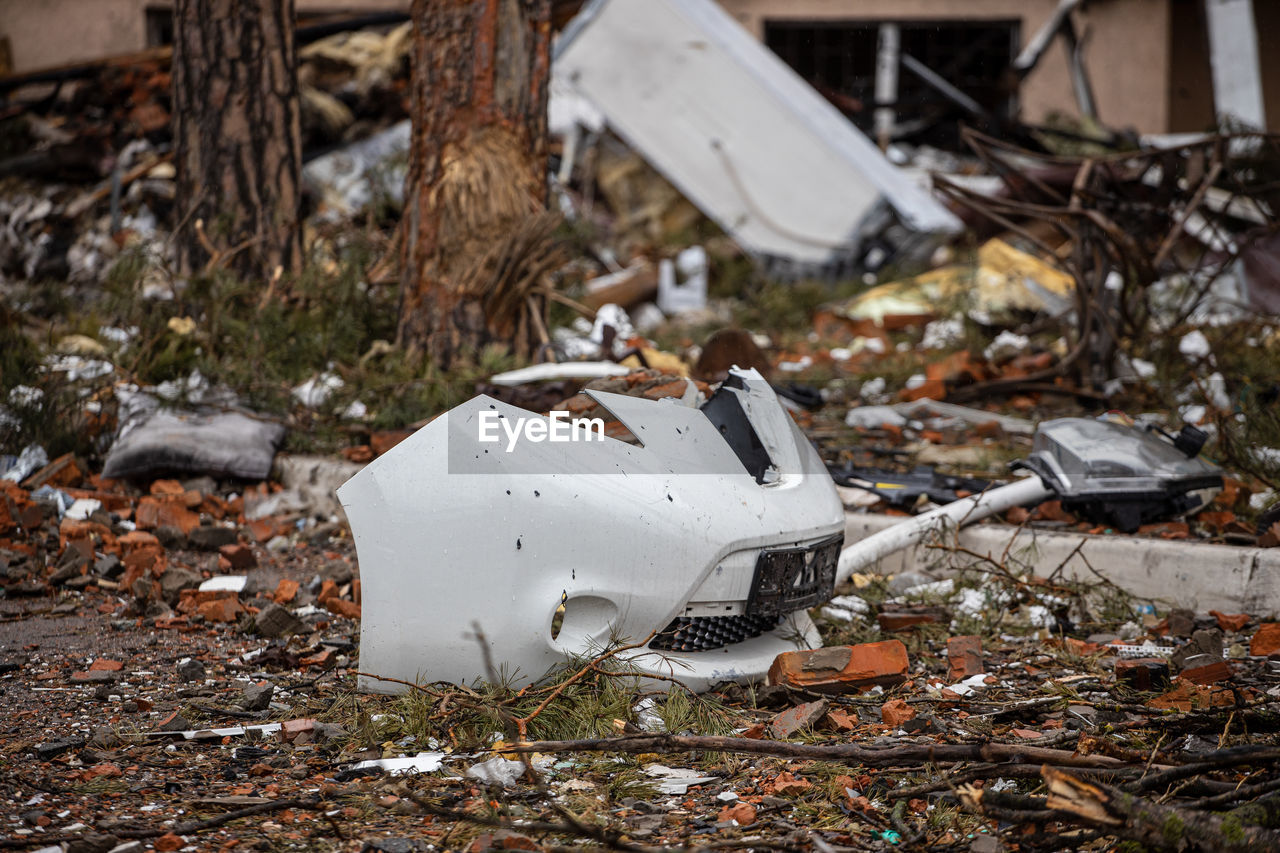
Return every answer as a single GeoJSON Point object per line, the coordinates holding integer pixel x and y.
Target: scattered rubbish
{"type": "Point", "coordinates": [361, 174]}
{"type": "Point", "coordinates": [423, 762]}
{"type": "Point", "coordinates": [32, 458]}
{"type": "Point", "coordinates": [496, 771]}
{"type": "Point", "coordinates": [1004, 280]}
{"type": "Point", "coordinates": [903, 491]}
{"type": "Point", "coordinates": [676, 780]}
{"type": "Point", "coordinates": [686, 291]}
{"type": "Point", "coordinates": [153, 440]}
{"type": "Point", "coordinates": [564, 370]}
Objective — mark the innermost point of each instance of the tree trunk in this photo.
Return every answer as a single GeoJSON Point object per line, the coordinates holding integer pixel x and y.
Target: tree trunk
{"type": "Point", "coordinates": [477, 176]}
{"type": "Point", "coordinates": [238, 136]}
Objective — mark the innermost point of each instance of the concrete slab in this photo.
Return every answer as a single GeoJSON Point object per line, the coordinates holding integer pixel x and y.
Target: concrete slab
{"type": "Point", "coordinates": [1196, 575]}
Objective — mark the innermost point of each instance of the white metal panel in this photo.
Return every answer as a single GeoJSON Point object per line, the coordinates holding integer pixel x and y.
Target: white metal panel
{"type": "Point", "coordinates": [736, 130]}
{"type": "Point", "coordinates": [1237, 78]}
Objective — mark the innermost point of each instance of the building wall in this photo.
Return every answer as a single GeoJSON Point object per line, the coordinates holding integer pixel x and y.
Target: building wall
{"type": "Point", "coordinates": [1126, 49]}
{"type": "Point", "coordinates": [49, 33]}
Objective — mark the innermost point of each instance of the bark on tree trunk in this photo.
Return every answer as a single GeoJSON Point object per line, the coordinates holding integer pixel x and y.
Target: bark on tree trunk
{"type": "Point", "coordinates": [477, 175]}
{"type": "Point", "coordinates": [238, 136]}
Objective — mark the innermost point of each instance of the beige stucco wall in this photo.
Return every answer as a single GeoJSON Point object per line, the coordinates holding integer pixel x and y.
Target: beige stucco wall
{"type": "Point", "coordinates": [49, 33]}
{"type": "Point", "coordinates": [1126, 51]}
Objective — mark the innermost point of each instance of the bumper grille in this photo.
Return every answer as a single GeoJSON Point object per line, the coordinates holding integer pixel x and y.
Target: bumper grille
{"type": "Point", "coordinates": [704, 633]}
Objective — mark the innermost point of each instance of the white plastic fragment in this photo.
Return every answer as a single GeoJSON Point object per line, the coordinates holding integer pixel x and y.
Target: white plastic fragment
{"type": "Point", "coordinates": [423, 762]}
{"type": "Point", "coordinates": [564, 370]}
{"type": "Point", "coordinates": [224, 583]}
{"type": "Point", "coordinates": [82, 508]}
{"type": "Point", "coordinates": [970, 685]}
{"type": "Point", "coordinates": [650, 720]}
{"type": "Point", "coordinates": [874, 417]}
{"type": "Point", "coordinates": [1194, 344]}
{"type": "Point", "coordinates": [846, 608]}
{"type": "Point", "coordinates": [1006, 345]}
{"type": "Point", "coordinates": [315, 391]}
{"type": "Point", "coordinates": [677, 780]}
{"type": "Point", "coordinates": [32, 458]}
{"type": "Point", "coordinates": [496, 771]}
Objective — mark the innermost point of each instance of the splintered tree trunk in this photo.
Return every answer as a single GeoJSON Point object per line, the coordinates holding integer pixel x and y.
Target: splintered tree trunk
{"type": "Point", "coordinates": [477, 174]}
{"type": "Point", "coordinates": [237, 135]}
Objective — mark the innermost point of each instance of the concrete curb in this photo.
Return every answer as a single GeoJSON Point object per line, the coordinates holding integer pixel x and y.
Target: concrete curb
{"type": "Point", "coordinates": [1196, 575]}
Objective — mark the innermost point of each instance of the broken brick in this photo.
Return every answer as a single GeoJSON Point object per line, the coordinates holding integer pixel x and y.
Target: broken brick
{"type": "Point", "coordinates": [239, 556]}
{"type": "Point", "coordinates": [895, 712]}
{"type": "Point", "coordinates": [787, 785]}
{"type": "Point", "coordinates": [106, 665]}
{"type": "Point", "coordinates": [902, 620]}
{"type": "Point", "coordinates": [322, 659]}
{"type": "Point", "coordinates": [1230, 621]}
{"type": "Point", "coordinates": [964, 654]}
{"type": "Point", "coordinates": [744, 814]}
{"type": "Point", "coordinates": [221, 610]}
{"type": "Point", "coordinates": [842, 669]}
{"type": "Point", "coordinates": [840, 720]}
{"type": "Point", "coordinates": [1209, 673]}
{"type": "Point", "coordinates": [341, 607]}
{"type": "Point", "coordinates": [792, 720]}
{"type": "Point", "coordinates": [1266, 641]}
{"type": "Point", "coordinates": [291, 730]}
{"type": "Point", "coordinates": [285, 591]}
{"type": "Point", "coordinates": [168, 842]}
{"type": "Point", "coordinates": [166, 487]}
{"type": "Point", "coordinates": [155, 512]}
{"type": "Point", "coordinates": [1143, 673]}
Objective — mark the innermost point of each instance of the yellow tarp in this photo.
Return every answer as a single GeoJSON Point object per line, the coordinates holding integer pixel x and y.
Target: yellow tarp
{"type": "Point", "coordinates": [1003, 279]}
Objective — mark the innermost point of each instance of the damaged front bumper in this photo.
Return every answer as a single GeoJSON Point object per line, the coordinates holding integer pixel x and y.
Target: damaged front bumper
{"type": "Point", "coordinates": [706, 541]}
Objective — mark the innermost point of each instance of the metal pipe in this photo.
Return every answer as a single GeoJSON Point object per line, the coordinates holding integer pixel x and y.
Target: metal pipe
{"type": "Point", "coordinates": [871, 550]}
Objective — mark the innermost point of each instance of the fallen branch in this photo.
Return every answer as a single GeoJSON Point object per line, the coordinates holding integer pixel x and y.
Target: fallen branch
{"type": "Point", "coordinates": [1156, 826]}
{"type": "Point", "coordinates": [1223, 758]}
{"type": "Point", "coordinates": [868, 756]}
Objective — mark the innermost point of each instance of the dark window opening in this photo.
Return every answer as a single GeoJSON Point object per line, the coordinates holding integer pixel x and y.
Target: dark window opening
{"type": "Point", "coordinates": [838, 58]}
{"type": "Point", "coordinates": [159, 27]}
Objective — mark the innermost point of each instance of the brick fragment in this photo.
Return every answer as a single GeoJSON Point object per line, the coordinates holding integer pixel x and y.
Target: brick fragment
{"type": "Point", "coordinates": [239, 556]}
{"type": "Point", "coordinates": [1143, 673]}
{"type": "Point", "coordinates": [285, 592]}
{"type": "Point", "coordinates": [341, 607]}
{"type": "Point", "coordinates": [842, 669]}
{"type": "Point", "coordinates": [153, 512]}
{"type": "Point", "coordinates": [964, 654]}
{"type": "Point", "coordinates": [792, 720]}
{"type": "Point", "coordinates": [106, 665]}
{"type": "Point", "coordinates": [1266, 641]}
{"type": "Point", "coordinates": [1230, 621]}
{"type": "Point", "coordinates": [221, 610]}
{"type": "Point", "coordinates": [895, 712]}
{"type": "Point", "coordinates": [1208, 674]}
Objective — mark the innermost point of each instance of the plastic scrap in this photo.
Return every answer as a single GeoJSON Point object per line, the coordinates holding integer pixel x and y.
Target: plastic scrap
{"type": "Point", "coordinates": [423, 762]}
{"type": "Point", "coordinates": [565, 370]}
{"type": "Point", "coordinates": [32, 458]}
{"type": "Point", "coordinates": [224, 583]}
{"type": "Point", "coordinates": [497, 771]}
{"type": "Point", "coordinates": [677, 780]}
